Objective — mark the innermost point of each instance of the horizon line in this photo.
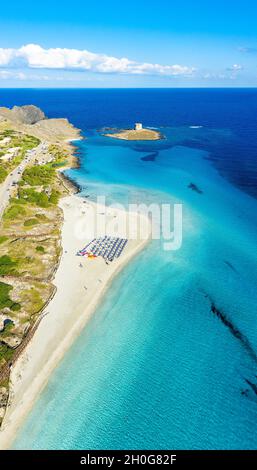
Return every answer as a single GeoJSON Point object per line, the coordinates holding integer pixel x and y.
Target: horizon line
{"type": "Point", "coordinates": [133, 88]}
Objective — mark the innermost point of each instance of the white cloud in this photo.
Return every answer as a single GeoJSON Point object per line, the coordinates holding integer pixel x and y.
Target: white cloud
{"type": "Point", "coordinates": [220, 75]}
{"type": "Point", "coordinates": [248, 50]}
{"type": "Point", "coordinates": [108, 64]}
{"type": "Point", "coordinates": [8, 74]}
{"type": "Point", "coordinates": [6, 55]}
{"type": "Point", "coordinates": [235, 68]}
{"type": "Point", "coordinates": [163, 69]}
{"type": "Point", "coordinates": [36, 57]}
{"type": "Point", "coordinates": [4, 74]}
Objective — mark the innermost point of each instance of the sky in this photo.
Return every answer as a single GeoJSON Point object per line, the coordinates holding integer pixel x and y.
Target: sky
{"type": "Point", "coordinates": [165, 43]}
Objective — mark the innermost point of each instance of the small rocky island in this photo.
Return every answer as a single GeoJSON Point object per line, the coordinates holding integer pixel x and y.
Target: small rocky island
{"type": "Point", "coordinates": [138, 133]}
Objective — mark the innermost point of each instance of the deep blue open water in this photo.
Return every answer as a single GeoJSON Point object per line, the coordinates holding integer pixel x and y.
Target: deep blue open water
{"type": "Point", "coordinates": [169, 360]}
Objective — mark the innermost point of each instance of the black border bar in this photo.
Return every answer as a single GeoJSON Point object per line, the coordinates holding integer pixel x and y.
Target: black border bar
{"type": "Point", "coordinates": [127, 458]}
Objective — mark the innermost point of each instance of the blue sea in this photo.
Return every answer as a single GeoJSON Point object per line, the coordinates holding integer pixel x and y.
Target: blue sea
{"type": "Point", "coordinates": [169, 360]}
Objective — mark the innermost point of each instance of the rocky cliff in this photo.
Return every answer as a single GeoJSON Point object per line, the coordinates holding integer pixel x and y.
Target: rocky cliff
{"type": "Point", "coordinates": [31, 120]}
{"type": "Point", "coordinates": [28, 114]}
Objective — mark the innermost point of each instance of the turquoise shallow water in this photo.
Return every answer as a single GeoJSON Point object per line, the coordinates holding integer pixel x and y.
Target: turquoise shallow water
{"type": "Point", "coordinates": [165, 360]}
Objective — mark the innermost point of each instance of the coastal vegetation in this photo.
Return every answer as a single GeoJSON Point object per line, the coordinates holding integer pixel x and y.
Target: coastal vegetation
{"type": "Point", "coordinates": [38, 175]}
{"type": "Point", "coordinates": [29, 244]}
{"type": "Point", "coordinates": [13, 148]}
{"type": "Point", "coordinates": [5, 300]}
{"type": "Point", "coordinates": [61, 157]}
{"type": "Point", "coordinates": [3, 173]}
{"type": "Point", "coordinates": [7, 265]}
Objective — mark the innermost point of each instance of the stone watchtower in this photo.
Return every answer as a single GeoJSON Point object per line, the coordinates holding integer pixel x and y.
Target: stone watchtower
{"type": "Point", "coordinates": [138, 126]}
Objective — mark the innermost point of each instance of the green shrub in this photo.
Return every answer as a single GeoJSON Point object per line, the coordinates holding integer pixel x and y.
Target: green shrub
{"type": "Point", "coordinates": [55, 196]}
{"type": "Point", "coordinates": [59, 164]}
{"type": "Point", "coordinates": [7, 265]}
{"type": "Point", "coordinates": [6, 352]}
{"type": "Point", "coordinates": [35, 197]}
{"type": "Point", "coordinates": [42, 200]}
{"type": "Point", "coordinates": [7, 133]}
{"type": "Point", "coordinates": [3, 239]}
{"type": "Point", "coordinates": [14, 211]}
{"type": "Point", "coordinates": [16, 307]}
{"type": "Point", "coordinates": [42, 217]}
{"type": "Point", "coordinates": [40, 249]}
{"type": "Point", "coordinates": [39, 175]}
{"type": "Point", "coordinates": [5, 300]}
{"type": "Point", "coordinates": [3, 174]}
{"type": "Point", "coordinates": [7, 329]}
{"type": "Point", "coordinates": [31, 222]}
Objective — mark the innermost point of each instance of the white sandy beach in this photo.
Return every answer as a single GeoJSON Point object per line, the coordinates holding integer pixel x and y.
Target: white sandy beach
{"type": "Point", "coordinates": [80, 284]}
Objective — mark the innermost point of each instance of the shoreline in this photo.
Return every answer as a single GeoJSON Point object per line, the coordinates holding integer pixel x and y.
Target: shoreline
{"type": "Point", "coordinates": [55, 335]}
{"type": "Point", "coordinates": [64, 142]}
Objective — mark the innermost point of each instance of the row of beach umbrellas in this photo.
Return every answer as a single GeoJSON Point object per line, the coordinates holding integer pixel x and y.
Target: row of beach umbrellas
{"type": "Point", "coordinates": [107, 247]}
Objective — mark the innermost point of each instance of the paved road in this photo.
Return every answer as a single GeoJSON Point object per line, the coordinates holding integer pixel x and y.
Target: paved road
{"type": "Point", "coordinates": [9, 184]}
